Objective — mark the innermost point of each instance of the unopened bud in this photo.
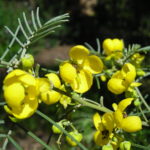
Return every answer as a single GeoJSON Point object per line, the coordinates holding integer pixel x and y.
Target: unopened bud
{"type": "Point", "coordinates": [107, 147]}
{"type": "Point", "coordinates": [126, 145]}
{"type": "Point", "coordinates": [57, 130]}
{"type": "Point", "coordinates": [27, 61]}
{"type": "Point", "coordinates": [76, 135]}
{"type": "Point", "coordinates": [137, 102]}
{"type": "Point", "coordinates": [103, 78]}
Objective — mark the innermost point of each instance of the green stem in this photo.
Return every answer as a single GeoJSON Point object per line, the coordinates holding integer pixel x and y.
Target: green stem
{"type": "Point", "coordinates": [142, 98]}
{"type": "Point", "coordinates": [140, 146]}
{"type": "Point", "coordinates": [143, 114]}
{"type": "Point", "coordinates": [59, 127]}
{"type": "Point", "coordinates": [80, 100]}
{"type": "Point", "coordinates": [87, 104]}
{"type": "Point", "coordinates": [17, 146]}
{"type": "Point", "coordinates": [35, 137]}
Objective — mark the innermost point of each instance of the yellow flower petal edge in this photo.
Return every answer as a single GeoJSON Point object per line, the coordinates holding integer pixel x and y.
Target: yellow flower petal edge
{"type": "Point", "coordinates": [24, 111]}
{"type": "Point", "coordinates": [116, 86]}
{"type": "Point", "coordinates": [132, 124]}
{"type": "Point", "coordinates": [13, 99]}
{"type": "Point", "coordinates": [54, 79]}
{"type": "Point", "coordinates": [14, 73]}
{"type": "Point", "coordinates": [67, 72]}
{"type": "Point", "coordinates": [96, 120]}
{"type": "Point", "coordinates": [125, 103]}
{"type": "Point", "coordinates": [79, 53]}
{"type": "Point", "coordinates": [83, 82]}
{"type": "Point", "coordinates": [93, 64]}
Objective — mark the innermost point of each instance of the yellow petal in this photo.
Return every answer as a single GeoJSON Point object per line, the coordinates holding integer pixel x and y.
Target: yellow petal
{"type": "Point", "coordinates": [118, 44]}
{"type": "Point", "coordinates": [67, 72]}
{"type": "Point", "coordinates": [132, 124]}
{"type": "Point", "coordinates": [43, 84]}
{"type": "Point", "coordinates": [115, 106]}
{"type": "Point", "coordinates": [54, 79]}
{"type": "Point", "coordinates": [14, 73]}
{"type": "Point", "coordinates": [27, 110]}
{"type": "Point", "coordinates": [83, 82]}
{"type": "Point", "coordinates": [130, 72]}
{"type": "Point", "coordinates": [99, 139]}
{"type": "Point", "coordinates": [108, 46]}
{"type": "Point", "coordinates": [7, 109]}
{"type": "Point", "coordinates": [108, 121]}
{"type": "Point", "coordinates": [124, 103]}
{"type": "Point", "coordinates": [50, 97]}
{"type": "Point", "coordinates": [96, 120]}
{"type": "Point", "coordinates": [135, 84]}
{"type": "Point", "coordinates": [31, 92]}
{"type": "Point", "coordinates": [118, 117]}
{"type": "Point", "coordinates": [14, 94]}
{"type": "Point", "coordinates": [93, 64]}
{"type": "Point", "coordinates": [27, 79]}
{"type": "Point", "coordinates": [116, 86]}
{"type": "Point", "coordinates": [78, 53]}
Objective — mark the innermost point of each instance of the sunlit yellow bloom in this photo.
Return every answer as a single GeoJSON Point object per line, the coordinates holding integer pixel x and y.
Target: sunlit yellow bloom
{"type": "Point", "coordinates": [78, 71]}
{"type": "Point", "coordinates": [113, 48]}
{"type": "Point", "coordinates": [127, 123]}
{"type": "Point", "coordinates": [45, 85]}
{"type": "Point", "coordinates": [121, 80]}
{"type": "Point", "coordinates": [20, 94]}
{"type": "Point", "coordinates": [104, 126]}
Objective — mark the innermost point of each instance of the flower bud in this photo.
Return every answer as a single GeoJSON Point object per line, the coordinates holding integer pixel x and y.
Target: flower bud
{"type": "Point", "coordinates": [103, 78]}
{"type": "Point", "coordinates": [57, 130]}
{"type": "Point", "coordinates": [137, 102]}
{"type": "Point", "coordinates": [107, 147]}
{"type": "Point", "coordinates": [76, 135]}
{"type": "Point", "coordinates": [27, 61]}
{"type": "Point", "coordinates": [126, 145]}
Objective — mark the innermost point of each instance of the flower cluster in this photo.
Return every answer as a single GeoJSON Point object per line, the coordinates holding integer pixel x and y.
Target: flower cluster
{"type": "Point", "coordinates": [25, 90]}
{"type": "Point", "coordinates": [111, 123]}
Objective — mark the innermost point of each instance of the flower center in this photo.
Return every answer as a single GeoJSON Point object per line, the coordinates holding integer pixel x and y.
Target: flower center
{"type": "Point", "coordinates": [105, 134]}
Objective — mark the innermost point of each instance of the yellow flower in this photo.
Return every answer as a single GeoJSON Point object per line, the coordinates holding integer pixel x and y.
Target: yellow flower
{"type": "Point", "coordinates": [127, 123]}
{"type": "Point", "coordinates": [20, 94]}
{"type": "Point", "coordinates": [104, 126]}
{"type": "Point", "coordinates": [45, 85]}
{"type": "Point", "coordinates": [78, 71]}
{"type": "Point", "coordinates": [121, 80]}
{"type": "Point", "coordinates": [113, 48]}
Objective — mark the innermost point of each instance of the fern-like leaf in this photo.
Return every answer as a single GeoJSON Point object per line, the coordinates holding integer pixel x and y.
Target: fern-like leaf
{"type": "Point", "coordinates": [31, 33]}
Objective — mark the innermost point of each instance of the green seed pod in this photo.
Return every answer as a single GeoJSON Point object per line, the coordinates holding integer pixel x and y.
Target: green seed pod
{"type": "Point", "coordinates": [27, 61]}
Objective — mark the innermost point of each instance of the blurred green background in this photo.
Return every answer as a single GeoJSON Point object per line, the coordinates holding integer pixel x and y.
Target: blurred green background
{"type": "Point", "coordinates": [89, 19]}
